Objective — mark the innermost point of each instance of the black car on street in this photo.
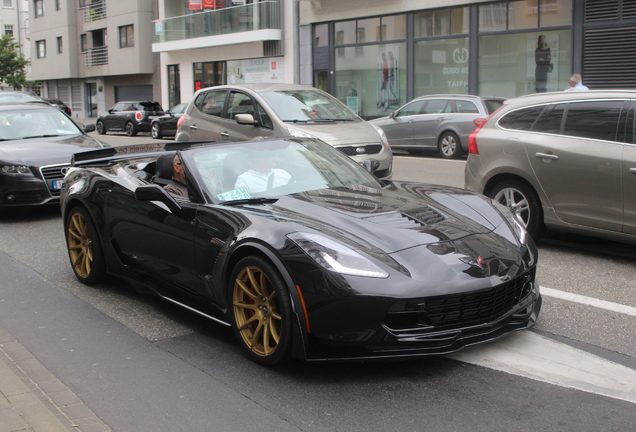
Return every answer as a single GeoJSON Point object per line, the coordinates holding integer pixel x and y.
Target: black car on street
{"type": "Point", "coordinates": [166, 125]}
{"type": "Point", "coordinates": [300, 249]}
{"type": "Point", "coordinates": [129, 116]}
{"type": "Point", "coordinates": [36, 145]}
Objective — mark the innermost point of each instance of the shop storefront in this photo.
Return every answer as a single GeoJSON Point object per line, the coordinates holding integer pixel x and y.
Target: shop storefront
{"type": "Point", "coordinates": [505, 49]}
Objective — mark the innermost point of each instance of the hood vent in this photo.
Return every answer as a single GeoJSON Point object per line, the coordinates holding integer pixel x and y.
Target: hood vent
{"type": "Point", "coordinates": [414, 218]}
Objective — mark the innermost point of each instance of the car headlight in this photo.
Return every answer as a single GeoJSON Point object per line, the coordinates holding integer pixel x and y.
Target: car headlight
{"type": "Point", "coordinates": [16, 170]}
{"type": "Point", "coordinates": [513, 223]}
{"type": "Point", "coordinates": [298, 133]}
{"type": "Point", "coordinates": [335, 256]}
{"type": "Point", "coordinates": [383, 137]}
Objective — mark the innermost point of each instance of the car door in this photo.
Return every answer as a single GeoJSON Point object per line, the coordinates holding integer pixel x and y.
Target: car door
{"type": "Point", "coordinates": [242, 103]}
{"type": "Point", "coordinates": [399, 126]}
{"type": "Point", "coordinates": [110, 118]}
{"type": "Point", "coordinates": [577, 162]}
{"type": "Point", "coordinates": [628, 169]}
{"type": "Point", "coordinates": [207, 120]}
{"type": "Point", "coordinates": [428, 125]}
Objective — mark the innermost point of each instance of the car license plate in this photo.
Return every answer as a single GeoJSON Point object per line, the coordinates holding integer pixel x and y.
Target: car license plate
{"type": "Point", "coordinates": [57, 184]}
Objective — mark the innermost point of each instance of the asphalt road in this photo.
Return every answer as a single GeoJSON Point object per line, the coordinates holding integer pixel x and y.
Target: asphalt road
{"type": "Point", "coordinates": [141, 364]}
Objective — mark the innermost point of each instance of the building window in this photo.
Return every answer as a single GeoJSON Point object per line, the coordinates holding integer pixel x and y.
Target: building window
{"type": "Point", "coordinates": [39, 8]}
{"type": "Point", "coordinates": [7, 3]}
{"type": "Point", "coordinates": [40, 47]}
{"type": "Point", "coordinates": [58, 5]}
{"type": "Point", "coordinates": [84, 42]}
{"type": "Point", "coordinates": [8, 29]}
{"type": "Point", "coordinates": [60, 47]}
{"type": "Point", "coordinates": [126, 36]}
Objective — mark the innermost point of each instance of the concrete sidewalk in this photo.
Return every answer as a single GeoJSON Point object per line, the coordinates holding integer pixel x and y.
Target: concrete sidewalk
{"type": "Point", "coordinates": [33, 399]}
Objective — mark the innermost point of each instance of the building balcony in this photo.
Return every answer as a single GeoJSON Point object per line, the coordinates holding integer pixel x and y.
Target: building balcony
{"type": "Point", "coordinates": [96, 56]}
{"type": "Point", "coordinates": [93, 11]}
{"type": "Point", "coordinates": [248, 23]}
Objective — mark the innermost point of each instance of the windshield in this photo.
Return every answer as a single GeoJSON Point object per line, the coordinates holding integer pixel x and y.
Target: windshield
{"type": "Point", "coordinates": [19, 97]}
{"type": "Point", "coordinates": [266, 169]}
{"type": "Point", "coordinates": [307, 106]}
{"type": "Point", "coordinates": [24, 124]}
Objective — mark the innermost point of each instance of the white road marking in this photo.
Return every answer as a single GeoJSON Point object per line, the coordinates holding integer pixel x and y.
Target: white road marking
{"type": "Point", "coordinates": [533, 356]}
{"type": "Point", "coordinates": [590, 301]}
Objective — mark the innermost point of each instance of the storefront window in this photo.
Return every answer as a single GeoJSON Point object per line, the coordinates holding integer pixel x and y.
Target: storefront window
{"type": "Point", "coordinates": [556, 12]}
{"type": "Point", "coordinates": [441, 22]}
{"type": "Point", "coordinates": [375, 84]}
{"type": "Point", "coordinates": [394, 27]}
{"type": "Point", "coordinates": [369, 30]}
{"type": "Point", "coordinates": [460, 20]}
{"type": "Point", "coordinates": [515, 64]}
{"type": "Point", "coordinates": [441, 66]}
{"type": "Point", "coordinates": [345, 32]}
{"type": "Point", "coordinates": [321, 35]}
{"type": "Point", "coordinates": [523, 14]}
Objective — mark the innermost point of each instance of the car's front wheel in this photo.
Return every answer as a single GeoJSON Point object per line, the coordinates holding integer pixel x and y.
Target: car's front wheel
{"type": "Point", "coordinates": [449, 145]}
{"type": "Point", "coordinates": [261, 311]}
{"type": "Point", "coordinates": [84, 250]}
{"type": "Point", "coordinates": [524, 204]}
{"type": "Point", "coordinates": [101, 129]}
{"type": "Point", "coordinates": [155, 130]}
{"type": "Point", "coordinates": [131, 130]}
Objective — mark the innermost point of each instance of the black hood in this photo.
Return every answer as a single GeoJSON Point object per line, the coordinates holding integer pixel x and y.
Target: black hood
{"type": "Point", "coordinates": [46, 151]}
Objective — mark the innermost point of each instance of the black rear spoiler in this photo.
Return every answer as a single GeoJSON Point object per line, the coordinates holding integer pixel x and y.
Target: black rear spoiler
{"type": "Point", "coordinates": [112, 152]}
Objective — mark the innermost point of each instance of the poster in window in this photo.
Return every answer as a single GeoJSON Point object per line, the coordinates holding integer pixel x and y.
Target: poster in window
{"type": "Point", "coordinates": [388, 80]}
{"type": "Point", "coordinates": [195, 4]}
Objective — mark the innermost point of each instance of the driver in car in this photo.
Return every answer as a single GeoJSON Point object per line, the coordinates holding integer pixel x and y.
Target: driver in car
{"type": "Point", "coordinates": [262, 176]}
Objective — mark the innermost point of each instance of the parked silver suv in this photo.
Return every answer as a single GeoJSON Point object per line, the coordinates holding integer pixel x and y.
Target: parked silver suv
{"type": "Point", "coordinates": [565, 161]}
{"type": "Point", "coordinates": [437, 122]}
{"type": "Point", "coordinates": [247, 111]}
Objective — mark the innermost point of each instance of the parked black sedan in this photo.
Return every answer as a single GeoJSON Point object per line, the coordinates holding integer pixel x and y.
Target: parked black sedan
{"type": "Point", "coordinates": [36, 145]}
{"type": "Point", "coordinates": [129, 116]}
{"type": "Point", "coordinates": [301, 250]}
{"type": "Point", "coordinates": [166, 125]}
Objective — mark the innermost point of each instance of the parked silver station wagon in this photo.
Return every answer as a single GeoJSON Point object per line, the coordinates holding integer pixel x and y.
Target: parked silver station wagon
{"type": "Point", "coordinates": [248, 111]}
{"type": "Point", "coordinates": [437, 122]}
{"type": "Point", "coordinates": [565, 161]}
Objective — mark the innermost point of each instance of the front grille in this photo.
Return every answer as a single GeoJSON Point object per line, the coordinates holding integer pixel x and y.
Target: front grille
{"type": "Point", "coordinates": [53, 172]}
{"type": "Point", "coordinates": [459, 310]}
{"type": "Point", "coordinates": [361, 149]}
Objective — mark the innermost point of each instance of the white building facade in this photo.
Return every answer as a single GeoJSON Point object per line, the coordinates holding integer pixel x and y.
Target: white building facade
{"type": "Point", "coordinates": [14, 21]}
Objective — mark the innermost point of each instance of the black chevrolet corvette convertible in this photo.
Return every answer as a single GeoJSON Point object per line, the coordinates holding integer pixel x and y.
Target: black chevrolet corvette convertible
{"type": "Point", "coordinates": [301, 250]}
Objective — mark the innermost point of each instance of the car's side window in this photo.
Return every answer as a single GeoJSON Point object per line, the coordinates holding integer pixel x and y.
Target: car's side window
{"type": "Point", "coordinates": [119, 107]}
{"type": "Point", "coordinates": [211, 102]}
{"type": "Point", "coordinates": [521, 119]}
{"type": "Point", "coordinates": [466, 107]}
{"type": "Point", "coordinates": [550, 120]}
{"type": "Point", "coordinates": [437, 107]}
{"type": "Point", "coordinates": [593, 119]}
{"type": "Point", "coordinates": [263, 118]}
{"type": "Point", "coordinates": [239, 103]}
{"type": "Point", "coordinates": [626, 126]}
{"type": "Point", "coordinates": [414, 108]}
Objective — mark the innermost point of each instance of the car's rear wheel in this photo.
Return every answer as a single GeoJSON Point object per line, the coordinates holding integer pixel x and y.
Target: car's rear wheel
{"type": "Point", "coordinates": [524, 204]}
{"type": "Point", "coordinates": [101, 129]}
{"type": "Point", "coordinates": [131, 130]}
{"type": "Point", "coordinates": [261, 311]}
{"type": "Point", "coordinates": [155, 131]}
{"type": "Point", "coordinates": [84, 250]}
{"type": "Point", "coordinates": [449, 146]}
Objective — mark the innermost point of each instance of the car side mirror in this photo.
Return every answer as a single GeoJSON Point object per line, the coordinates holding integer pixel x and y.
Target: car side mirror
{"type": "Point", "coordinates": [393, 114]}
{"type": "Point", "coordinates": [246, 119]}
{"type": "Point", "coordinates": [157, 193]}
{"type": "Point", "coordinates": [110, 111]}
{"type": "Point", "coordinates": [89, 127]}
{"type": "Point", "coordinates": [371, 165]}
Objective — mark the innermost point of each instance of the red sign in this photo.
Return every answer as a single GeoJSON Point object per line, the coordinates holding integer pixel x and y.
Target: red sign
{"type": "Point", "coordinates": [195, 4]}
{"type": "Point", "coordinates": [208, 4]}
{"type": "Point", "coordinates": [273, 65]}
{"type": "Point", "coordinates": [197, 85]}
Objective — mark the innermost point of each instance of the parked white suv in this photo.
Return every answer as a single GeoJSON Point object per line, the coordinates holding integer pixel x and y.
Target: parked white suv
{"type": "Point", "coordinates": [247, 111]}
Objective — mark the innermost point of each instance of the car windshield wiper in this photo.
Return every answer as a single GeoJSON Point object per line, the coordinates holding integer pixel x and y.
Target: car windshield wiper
{"type": "Point", "coordinates": [41, 136]}
{"type": "Point", "coordinates": [297, 121]}
{"type": "Point", "coordinates": [250, 201]}
{"type": "Point", "coordinates": [332, 120]}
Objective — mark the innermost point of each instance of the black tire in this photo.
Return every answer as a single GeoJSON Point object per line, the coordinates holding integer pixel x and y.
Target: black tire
{"type": "Point", "coordinates": [449, 146]}
{"type": "Point", "coordinates": [524, 204]}
{"type": "Point", "coordinates": [84, 249]}
{"type": "Point", "coordinates": [101, 129]}
{"type": "Point", "coordinates": [260, 311]}
{"type": "Point", "coordinates": [155, 130]}
{"type": "Point", "coordinates": [131, 129]}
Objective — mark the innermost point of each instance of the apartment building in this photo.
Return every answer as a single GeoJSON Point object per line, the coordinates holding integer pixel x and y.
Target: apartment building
{"type": "Point", "coordinates": [14, 21]}
{"type": "Point", "coordinates": [93, 53]}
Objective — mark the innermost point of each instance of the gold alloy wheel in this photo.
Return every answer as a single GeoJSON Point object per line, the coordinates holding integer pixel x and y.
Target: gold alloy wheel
{"type": "Point", "coordinates": [80, 245]}
{"type": "Point", "coordinates": [256, 311]}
